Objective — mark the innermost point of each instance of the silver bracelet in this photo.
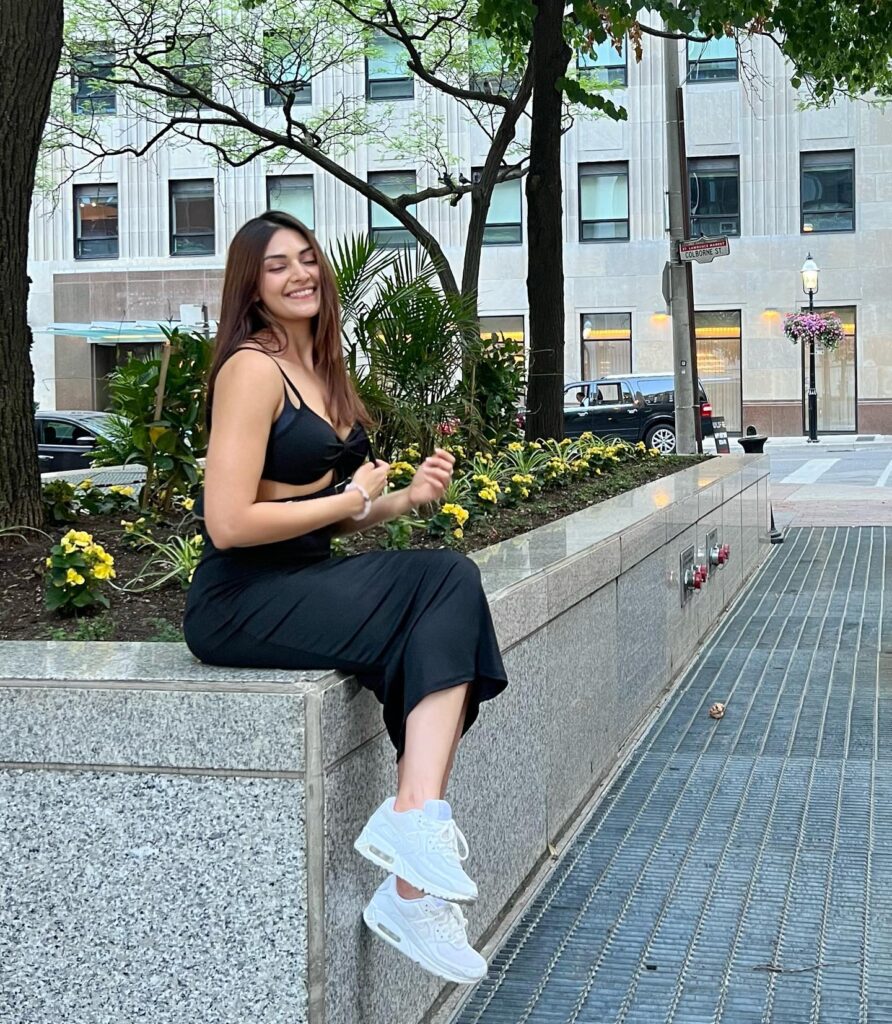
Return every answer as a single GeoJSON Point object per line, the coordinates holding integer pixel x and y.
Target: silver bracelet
{"type": "Point", "coordinates": [367, 507]}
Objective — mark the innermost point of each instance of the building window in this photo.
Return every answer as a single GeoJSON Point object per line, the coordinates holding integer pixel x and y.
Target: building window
{"type": "Point", "coordinates": [95, 222]}
{"type": "Point", "coordinates": [287, 77]}
{"type": "Point", "coordinates": [712, 61]}
{"type": "Point", "coordinates": [488, 71]}
{"type": "Point", "coordinates": [827, 191]}
{"type": "Point", "coordinates": [192, 217]}
{"type": "Point", "coordinates": [718, 363]}
{"type": "Point", "coordinates": [715, 195]}
{"type": "Point", "coordinates": [603, 202]}
{"type": "Point", "coordinates": [836, 377]}
{"type": "Point", "coordinates": [92, 82]}
{"type": "Point", "coordinates": [386, 230]}
{"type": "Point", "coordinates": [292, 194]}
{"type": "Point", "coordinates": [603, 63]}
{"type": "Point", "coordinates": [503, 219]}
{"type": "Point", "coordinates": [502, 327]}
{"type": "Point", "coordinates": [606, 344]}
{"type": "Point", "coordinates": [190, 60]}
{"type": "Point", "coordinates": [387, 75]}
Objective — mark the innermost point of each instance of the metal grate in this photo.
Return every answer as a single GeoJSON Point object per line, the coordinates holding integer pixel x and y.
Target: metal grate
{"type": "Point", "coordinates": [737, 871]}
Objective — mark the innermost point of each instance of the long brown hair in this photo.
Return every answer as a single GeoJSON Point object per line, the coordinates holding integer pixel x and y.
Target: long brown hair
{"type": "Point", "coordinates": [242, 318]}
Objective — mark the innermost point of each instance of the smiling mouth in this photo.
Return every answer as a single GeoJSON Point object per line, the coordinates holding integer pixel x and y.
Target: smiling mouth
{"type": "Point", "coordinates": [301, 293]}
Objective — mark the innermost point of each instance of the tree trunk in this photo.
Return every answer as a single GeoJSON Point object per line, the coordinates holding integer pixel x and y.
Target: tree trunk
{"type": "Point", "coordinates": [30, 45]}
{"type": "Point", "coordinates": [545, 269]}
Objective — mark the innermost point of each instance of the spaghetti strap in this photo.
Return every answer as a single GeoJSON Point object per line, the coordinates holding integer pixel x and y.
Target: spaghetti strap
{"type": "Point", "coordinates": [288, 380]}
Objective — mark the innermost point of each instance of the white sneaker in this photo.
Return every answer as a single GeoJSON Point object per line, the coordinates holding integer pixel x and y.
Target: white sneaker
{"type": "Point", "coordinates": [429, 931]}
{"type": "Point", "coordinates": [425, 847]}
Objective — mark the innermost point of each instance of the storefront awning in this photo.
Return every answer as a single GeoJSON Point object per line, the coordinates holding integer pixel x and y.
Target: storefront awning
{"type": "Point", "coordinates": [123, 332]}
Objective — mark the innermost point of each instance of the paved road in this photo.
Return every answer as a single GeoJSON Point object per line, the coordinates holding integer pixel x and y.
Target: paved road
{"type": "Point", "coordinates": [816, 485]}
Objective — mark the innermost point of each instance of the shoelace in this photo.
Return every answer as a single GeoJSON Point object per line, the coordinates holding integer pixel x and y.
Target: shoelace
{"type": "Point", "coordinates": [450, 923]}
{"type": "Point", "coordinates": [447, 837]}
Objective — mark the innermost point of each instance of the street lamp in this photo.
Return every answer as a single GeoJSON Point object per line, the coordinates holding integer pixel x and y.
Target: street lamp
{"type": "Point", "coordinates": [810, 286]}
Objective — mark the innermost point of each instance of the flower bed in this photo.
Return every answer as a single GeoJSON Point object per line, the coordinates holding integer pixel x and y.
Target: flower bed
{"type": "Point", "coordinates": [146, 561]}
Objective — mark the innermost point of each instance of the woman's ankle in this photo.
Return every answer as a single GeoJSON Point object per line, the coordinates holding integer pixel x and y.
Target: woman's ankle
{"type": "Point", "coordinates": [406, 891]}
{"type": "Point", "coordinates": [414, 799]}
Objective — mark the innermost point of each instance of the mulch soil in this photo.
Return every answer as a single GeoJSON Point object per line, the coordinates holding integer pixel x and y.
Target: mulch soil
{"type": "Point", "coordinates": [157, 614]}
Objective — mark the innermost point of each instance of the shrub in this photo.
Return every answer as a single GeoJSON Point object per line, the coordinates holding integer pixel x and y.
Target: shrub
{"type": "Point", "coordinates": [66, 503]}
{"type": "Point", "coordinates": [492, 390]}
{"type": "Point", "coordinates": [170, 444]}
{"type": "Point", "coordinates": [78, 571]}
{"type": "Point", "coordinates": [173, 559]}
{"type": "Point", "coordinates": [416, 356]}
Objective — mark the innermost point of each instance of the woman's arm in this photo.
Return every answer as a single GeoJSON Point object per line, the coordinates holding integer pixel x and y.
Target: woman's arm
{"type": "Point", "coordinates": [385, 508]}
{"type": "Point", "coordinates": [246, 396]}
{"type": "Point", "coordinates": [428, 485]}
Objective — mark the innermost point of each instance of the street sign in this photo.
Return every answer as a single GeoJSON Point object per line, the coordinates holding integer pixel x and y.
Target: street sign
{"type": "Point", "coordinates": [720, 436]}
{"type": "Point", "coordinates": [703, 249]}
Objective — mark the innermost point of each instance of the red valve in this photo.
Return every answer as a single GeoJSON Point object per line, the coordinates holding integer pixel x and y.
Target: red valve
{"type": "Point", "coordinates": [724, 553]}
{"type": "Point", "coordinates": [700, 576]}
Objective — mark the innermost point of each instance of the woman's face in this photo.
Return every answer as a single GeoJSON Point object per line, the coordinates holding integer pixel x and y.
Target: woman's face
{"type": "Point", "coordinates": [289, 278]}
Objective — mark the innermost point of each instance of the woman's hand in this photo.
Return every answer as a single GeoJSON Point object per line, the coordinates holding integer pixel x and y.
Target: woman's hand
{"type": "Point", "coordinates": [431, 478]}
{"type": "Point", "coordinates": [372, 477]}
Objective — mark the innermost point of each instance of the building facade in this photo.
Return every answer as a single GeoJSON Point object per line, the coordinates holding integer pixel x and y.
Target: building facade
{"type": "Point", "coordinates": [137, 239]}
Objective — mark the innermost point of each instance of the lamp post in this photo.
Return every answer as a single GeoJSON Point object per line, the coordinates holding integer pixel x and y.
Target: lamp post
{"type": "Point", "coordinates": [810, 286]}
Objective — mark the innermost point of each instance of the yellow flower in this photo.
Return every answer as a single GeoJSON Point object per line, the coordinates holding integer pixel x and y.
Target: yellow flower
{"type": "Point", "coordinates": [84, 485]}
{"type": "Point", "coordinates": [458, 533]}
{"type": "Point", "coordinates": [198, 539]}
{"type": "Point", "coordinates": [49, 561]}
{"type": "Point", "coordinates": [191, 574]}
{"type": "Point", "coordinates": [487, 494]}
{"type": "Point", "coordinates": [515, 446]}
{"type": "Point", "coordinates": [81, 538]}
{"type": "Point", "coordinates": [73, 576]}
{"type": "Point", "coordinates": [535, 446]}
{"type": "Point", "coordinates": [68, 547]}
{"type": "Point", "coordinates": [128, 526]}
{"type": "Point", "coordinates": [188, 504]}
{"type": "Point", "coordinates": [102, 571]}
{"type": "Point", "coordinates": [127, 492]}
{"type": "Point", "coordinates": [412, 452]}
{"type": "Point", "coordinates": [401, 469]}
{"type": "Point", "coordinates": [460, 514]}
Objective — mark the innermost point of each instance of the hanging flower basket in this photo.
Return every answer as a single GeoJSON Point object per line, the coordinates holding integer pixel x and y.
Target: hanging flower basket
{"type": "Point", "coordinates": [823, 328]}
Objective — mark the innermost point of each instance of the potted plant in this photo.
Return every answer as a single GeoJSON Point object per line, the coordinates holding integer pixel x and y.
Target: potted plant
{"type": "Point", "coordinates": [823, 328]}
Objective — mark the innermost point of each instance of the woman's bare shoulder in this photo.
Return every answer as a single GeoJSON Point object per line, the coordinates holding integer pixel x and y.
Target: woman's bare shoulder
{"type": "Point", "coordinates": [249, 358]}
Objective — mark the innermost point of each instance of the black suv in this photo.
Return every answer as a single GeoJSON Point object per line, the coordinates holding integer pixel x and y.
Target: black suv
{"type": "Point", "coordinates": [634, 407]}
{"type": "Point", "coordinates": [66, 438]}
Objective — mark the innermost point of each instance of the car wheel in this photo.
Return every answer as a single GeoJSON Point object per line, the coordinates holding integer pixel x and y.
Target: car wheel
{"type": "Point", "coordinates": [661, 437]}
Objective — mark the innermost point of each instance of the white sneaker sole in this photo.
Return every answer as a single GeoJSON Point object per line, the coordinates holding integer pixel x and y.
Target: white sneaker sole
{"type": "Point", "coordinates": [380, 852]}
{"type": "Point", "coordinates": [389, 931]}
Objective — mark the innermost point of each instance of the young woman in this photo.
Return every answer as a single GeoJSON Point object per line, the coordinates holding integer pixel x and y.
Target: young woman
{"type": "Point", "coordinates": [289, 465]}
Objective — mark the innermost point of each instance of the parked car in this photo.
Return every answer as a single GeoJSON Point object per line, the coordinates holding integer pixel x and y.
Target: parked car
{"type": "Point", "coordinates": [633, 407]}
{"type": "Point", "coordinates": [66, 438]}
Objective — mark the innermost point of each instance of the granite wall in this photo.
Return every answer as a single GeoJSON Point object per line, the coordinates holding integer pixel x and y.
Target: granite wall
{"type": "Point", "coordinates": [177, 839]}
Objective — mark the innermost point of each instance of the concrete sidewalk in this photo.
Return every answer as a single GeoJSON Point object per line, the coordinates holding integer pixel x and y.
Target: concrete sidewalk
{"type": "Point", "coordinates": [737, 870]}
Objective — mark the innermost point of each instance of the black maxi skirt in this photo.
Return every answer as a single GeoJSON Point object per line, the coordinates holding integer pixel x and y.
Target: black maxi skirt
{"type": "Point", "coordinates": [406, 623]}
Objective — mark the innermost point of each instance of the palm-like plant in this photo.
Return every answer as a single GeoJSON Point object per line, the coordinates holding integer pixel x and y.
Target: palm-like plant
{"type": "Point", "coordinates": [406, 342]}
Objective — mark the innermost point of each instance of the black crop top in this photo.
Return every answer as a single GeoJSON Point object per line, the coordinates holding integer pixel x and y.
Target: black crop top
{"type": "Point", "coordinates": [303, 447]}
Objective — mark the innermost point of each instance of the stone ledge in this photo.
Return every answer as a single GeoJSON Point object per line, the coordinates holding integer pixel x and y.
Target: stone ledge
{"type": "Point", "coordinates": [588, 614]}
